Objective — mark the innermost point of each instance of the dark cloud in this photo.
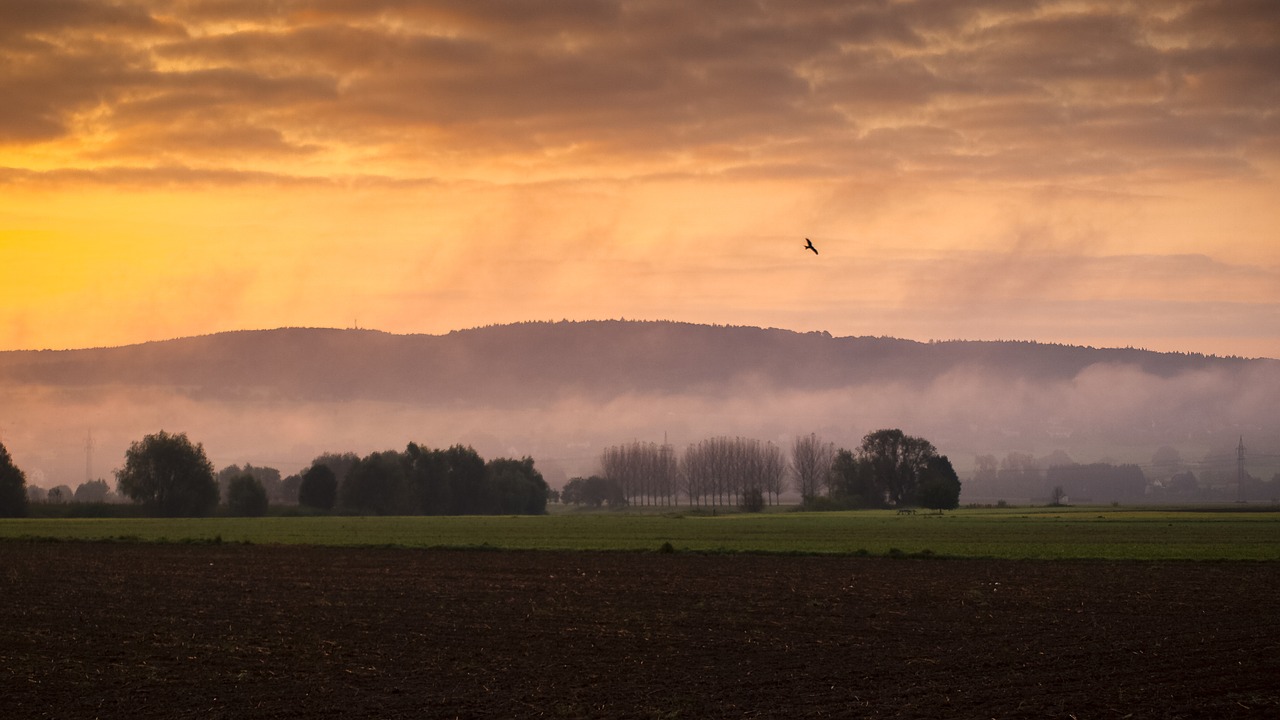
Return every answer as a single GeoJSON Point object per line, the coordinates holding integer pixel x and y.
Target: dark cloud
{"type": "Point", "coordinates": [1011, 90]}
{"type": "Point", "coordinates": [1090, 48]}
{"type": "Point", "coordinates": [44, 85]}
{"type": "Point", "coordinates": [1224, 23]}
{"type": "Point", "coordinates": [59, 18]}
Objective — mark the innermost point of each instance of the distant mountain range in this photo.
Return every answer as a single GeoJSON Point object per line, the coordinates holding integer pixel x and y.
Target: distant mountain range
{"type": "Point", "coordinates": [537, 362]}
{"type": "Point", "coordinates": [560, 392]}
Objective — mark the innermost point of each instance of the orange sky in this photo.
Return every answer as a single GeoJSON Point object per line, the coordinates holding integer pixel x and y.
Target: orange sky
{"type": "Point", "coordinates": [1079, 172]}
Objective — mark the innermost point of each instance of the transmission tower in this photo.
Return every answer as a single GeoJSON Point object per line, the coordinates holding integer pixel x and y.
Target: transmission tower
{"type": "Point", "coordinates": [1240, 471]}
{"type": "Point", "coordinates": [88, 456]}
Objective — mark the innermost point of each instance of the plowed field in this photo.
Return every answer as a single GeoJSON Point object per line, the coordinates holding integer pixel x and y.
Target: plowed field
{"type": "Point", "coordinates": [229, 631]}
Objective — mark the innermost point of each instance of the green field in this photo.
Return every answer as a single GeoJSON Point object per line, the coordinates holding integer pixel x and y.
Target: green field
{"type": "Point", "coordinates": [1018, 533]}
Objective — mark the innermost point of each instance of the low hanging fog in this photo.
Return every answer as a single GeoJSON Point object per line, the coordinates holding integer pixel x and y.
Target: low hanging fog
{"type": "Point", "coordinates": [562, 392]}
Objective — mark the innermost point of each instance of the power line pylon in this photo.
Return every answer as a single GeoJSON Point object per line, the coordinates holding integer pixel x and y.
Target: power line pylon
{"type": "Point", "coordinates": [88, 456]}
{"type": "Point", "coordinates": [1240, 471]}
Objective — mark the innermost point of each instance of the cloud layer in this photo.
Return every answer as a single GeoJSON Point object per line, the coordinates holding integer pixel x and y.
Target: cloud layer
{"type": "Point", "coordinates": [979, 169]}
{"type": "Point", "coordinates": [1070, 92]}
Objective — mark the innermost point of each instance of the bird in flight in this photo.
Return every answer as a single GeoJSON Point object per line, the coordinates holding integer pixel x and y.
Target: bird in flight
{"type": "Point", "coordinates": [808, 245]}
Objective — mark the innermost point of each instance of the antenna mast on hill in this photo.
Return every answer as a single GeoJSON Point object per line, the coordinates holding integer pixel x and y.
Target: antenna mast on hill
{"type": "Point", "coordinates": [88, 457]}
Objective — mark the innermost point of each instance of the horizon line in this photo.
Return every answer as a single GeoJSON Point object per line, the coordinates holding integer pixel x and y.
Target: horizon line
{"type": "Point", "coordinates": [637, 321]}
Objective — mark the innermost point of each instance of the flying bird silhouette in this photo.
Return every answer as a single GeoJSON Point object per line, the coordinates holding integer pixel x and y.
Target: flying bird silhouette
{"type": "Point", "coordinates": [808, 245]}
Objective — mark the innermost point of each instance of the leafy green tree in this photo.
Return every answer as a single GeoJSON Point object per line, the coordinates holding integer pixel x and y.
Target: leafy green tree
{"type": "Point", "coordinates": [319, 488]}
{"type": "Point", "coordinates": [246, 496]}
{"type": "Point", "coordinates": [897, 462]}
{"type": "Point", "coordinates": [593, 492]}
{"type": "Point", "coordinates": [811, 461]}
{"type": "Point", "coordinates": [454, 481]}
{"type": "Point", "coordinates": [268, 477]}
{"type": "Point", "coordinates": [94, 491]}
{"type": "Point", "coordinates": [13, 487]}
{"type": "Point", "coordinates": [853, 482]}
{"type": "Point", "coordinates": [466, 480]}
{"type": "Point", "coordinates": [939, 487]}
{"type": "Point", "coordinates": [571, 492]}
{"type": "Point", "coordinates": [339, 463]}
{"type": "Point", "coordinates": [289, 488]}
{"type": "Point", "coordinates": [378, 485]}
{"type": "Point", "coordinates": [170, 475]}
{"type": "Point", "coordinates": [429, 477]}
{"type": "Point", "coordinates": [224, 478]}
{"type": "Point", "coordinates": [514, 487]}
{"type": "Point", "coordinates": [423, 481]}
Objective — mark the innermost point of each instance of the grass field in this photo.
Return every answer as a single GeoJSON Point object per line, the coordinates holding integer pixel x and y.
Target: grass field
{"type": "Point", "coordinates": [1014, 533]}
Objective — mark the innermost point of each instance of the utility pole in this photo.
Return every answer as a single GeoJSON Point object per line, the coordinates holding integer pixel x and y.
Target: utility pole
{"type": "Point", "coordinates": [1240, 471]}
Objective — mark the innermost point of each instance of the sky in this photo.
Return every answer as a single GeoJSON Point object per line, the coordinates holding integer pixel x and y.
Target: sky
{"type": "Point", "coordinates": [1096, 173]}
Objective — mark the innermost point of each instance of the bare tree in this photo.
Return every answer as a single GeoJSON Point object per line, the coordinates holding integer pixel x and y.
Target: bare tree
{"type": "Point", "coordinates": [774, 470]}
{"type": "Point", "coordinates": [765, 467]}
{"type": "Point", "coordinates": [811, 460]}
{"type": "Point", "coordinates": [703, 468]}
{"type": "Point", "coordinates": [723, 470]}
{"type": "Point", "coordinates": [647, 473]}
{"type": "Point", "coordinates": [667, 473]}
{"type": "Point", "coordinates": [1059, 496]}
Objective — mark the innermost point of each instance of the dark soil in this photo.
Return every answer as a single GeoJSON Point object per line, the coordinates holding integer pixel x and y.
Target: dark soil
{"type": "Point", "coordinates": [169, 631]}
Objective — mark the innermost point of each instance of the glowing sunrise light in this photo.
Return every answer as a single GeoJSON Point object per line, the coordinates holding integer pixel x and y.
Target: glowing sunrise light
{"type": "Point", "coordinates": [1071, 173]}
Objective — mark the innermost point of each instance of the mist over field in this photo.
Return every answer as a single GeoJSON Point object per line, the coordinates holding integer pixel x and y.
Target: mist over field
{"type": "Point", "coordinates": [561, 392]}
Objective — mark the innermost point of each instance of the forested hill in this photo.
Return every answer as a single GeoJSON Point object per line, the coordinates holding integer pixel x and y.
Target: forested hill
{"type": "Point", "coordinates": [536, 362]}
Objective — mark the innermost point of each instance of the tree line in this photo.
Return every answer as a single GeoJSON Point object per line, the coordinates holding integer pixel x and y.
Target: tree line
{"type": "Point", "coordinates": [715, 471]}
{"type": "Point", "coordinates": [169, 475]}
{"type": "Point", "coordinates": [1058, 479]}
{"type": "Point", "coordinates": [1166, 478]}
{"type": "Point", "coordinates": [889, 469]}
